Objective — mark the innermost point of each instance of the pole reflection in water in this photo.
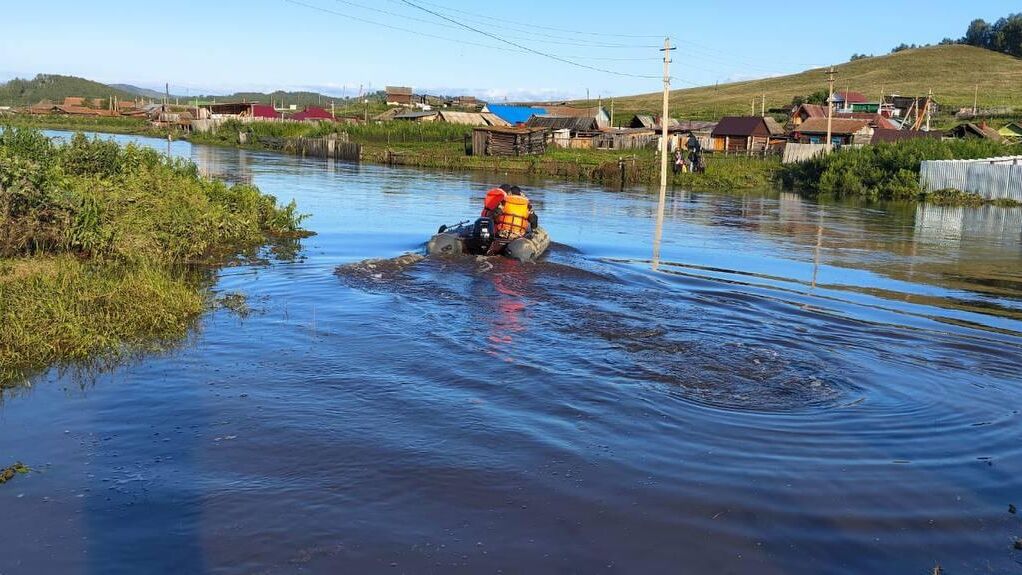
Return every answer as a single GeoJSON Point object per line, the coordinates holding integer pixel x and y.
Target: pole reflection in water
{"type": "Point", "coordinates": [510, 308]}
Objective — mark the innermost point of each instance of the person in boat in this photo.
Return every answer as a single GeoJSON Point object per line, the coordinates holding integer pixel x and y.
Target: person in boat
{"type": "Point", "coordinates": [514, 217]}
{"type": "Point", "coordinates": [493, 199]}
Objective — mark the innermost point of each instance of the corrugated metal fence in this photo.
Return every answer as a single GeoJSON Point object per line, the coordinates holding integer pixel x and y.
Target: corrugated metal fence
{"type": "Point", "coordinates": [992, 178]}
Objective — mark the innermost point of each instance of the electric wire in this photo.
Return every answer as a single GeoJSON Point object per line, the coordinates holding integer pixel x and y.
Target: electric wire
{"type": "Point", "coordinates": [526, 48]}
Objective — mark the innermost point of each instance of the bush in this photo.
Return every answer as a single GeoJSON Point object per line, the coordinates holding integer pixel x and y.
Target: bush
{"type": "Point", "coordinates": [883, 171]}
{"type": "Point", "coordinates": [97, 199]}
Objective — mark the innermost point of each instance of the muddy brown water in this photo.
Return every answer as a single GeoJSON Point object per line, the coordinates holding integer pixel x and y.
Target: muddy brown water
{"type": "Point", "coordinates": [798, 387]}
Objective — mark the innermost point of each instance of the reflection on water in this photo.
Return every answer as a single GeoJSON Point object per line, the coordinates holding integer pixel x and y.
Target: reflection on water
{"type": "Point", "coordinates": [796, 388]}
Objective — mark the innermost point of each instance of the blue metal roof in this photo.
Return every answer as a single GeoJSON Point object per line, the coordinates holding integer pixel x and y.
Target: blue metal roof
{"type": "Point", "coordinates": [514, 114]}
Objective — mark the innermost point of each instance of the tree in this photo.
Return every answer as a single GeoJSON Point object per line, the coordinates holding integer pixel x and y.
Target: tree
{"type": "Point", "coordinates": [859, 57]}
{"type": "Point", "coordinates": [978, 34]}
{"type": "Point", "coordinates": [1010, 35]}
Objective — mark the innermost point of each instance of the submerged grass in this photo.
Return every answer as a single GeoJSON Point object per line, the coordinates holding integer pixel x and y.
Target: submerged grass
{"type": "Point", "coordinates": [95, 240]}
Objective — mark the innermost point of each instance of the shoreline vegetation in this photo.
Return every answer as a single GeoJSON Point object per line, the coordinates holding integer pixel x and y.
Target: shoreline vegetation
{"type": "Point", "coordinates": [106, 251]}
{"type": "Point", "coordinates": [887, 171]}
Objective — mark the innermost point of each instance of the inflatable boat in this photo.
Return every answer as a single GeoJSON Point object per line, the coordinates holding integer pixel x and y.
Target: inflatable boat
{"type": "Point", "coordinates": [477, 239]}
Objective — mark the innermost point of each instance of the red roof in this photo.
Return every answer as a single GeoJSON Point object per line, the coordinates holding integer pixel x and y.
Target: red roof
{"type": "Point", "coordinates": [313, 113]}
{"type": "Point", "coordinates": [839, 126]}
{"type": "Point", "coordinates": [264, 111]}
{"type": "Point", "coordinates": [852, 97]}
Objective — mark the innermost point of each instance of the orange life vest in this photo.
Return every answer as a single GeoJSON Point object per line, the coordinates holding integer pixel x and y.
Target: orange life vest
{"type": "Point", "coordinates": [493, 199]}
{"type": "Point", "coordinates": [514, 219]}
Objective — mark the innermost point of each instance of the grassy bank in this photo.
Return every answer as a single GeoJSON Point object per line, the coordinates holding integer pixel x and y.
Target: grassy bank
{"type": "Point", "coordinates": [113, 125]}
{"type": "Point", "coordinates": [442, 146]}
{"type": "Point", "coordinates": [97, 244]}
{"type": "Point", "coordinates": [885, 171]}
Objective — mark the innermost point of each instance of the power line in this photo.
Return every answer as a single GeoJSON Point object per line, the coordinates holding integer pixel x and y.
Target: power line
{"type": "Point", "coordinates": [557, 40]}
{"type": "Point", "coordinates": [526, 48]}
{"type": "Point", "coordinates": [435, 36]}
{"type": "Point", "coordinates": [530, 26]}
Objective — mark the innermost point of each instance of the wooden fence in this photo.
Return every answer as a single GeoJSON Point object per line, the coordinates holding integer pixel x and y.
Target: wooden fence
{"type": "Point", "coordinates": [325, 148]}
{"type": "Point", "coordinates": [795, 153]}
{"type": "Point", "coordinates": [991, 178]}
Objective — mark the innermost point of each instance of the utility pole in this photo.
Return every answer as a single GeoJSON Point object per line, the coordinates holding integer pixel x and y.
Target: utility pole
{"type": "Point", "coordinates": [753, 107]}
{"type": "Point", "coordinates": [663, 154]}
{"type": "Point", "coordinates": [763, 107]}
{"type": "Point", "coordinates": [975, 102]}
{"type": "Point", "coordinates": [830, 110]}
{"type": "Point", "coordinates": [929, 106]}
{"type": "Point", "coordinates": [612, 112]}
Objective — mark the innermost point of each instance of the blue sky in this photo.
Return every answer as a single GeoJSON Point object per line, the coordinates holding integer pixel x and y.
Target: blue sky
{"type": "Point", "coordinates": [336, 45]}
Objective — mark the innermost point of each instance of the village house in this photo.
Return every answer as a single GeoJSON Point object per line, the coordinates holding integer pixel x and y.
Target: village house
{"type": "Point", "coordinates": [844, 132]}
{"type": "Point", "coordinates": [471, 119]}
{"type": "Point", "coordinates": [244, 111]}
{"type": "Point", "coordinates": [847, 101]}
{"type": "Point", "coordinates": [745, 134]}
{"type": "Point", "coordinates": [970, 131]}
{"type": "Point", "coordinates": [422, 116]}
{"type": "Point", "coordinates": [313, 114]}
{"type": "Point", "coordinates": [399, 96]}
{"type": "Point", "coordinates": [904, 106]}
{"type": "Point", "coordinates": [598, 114]}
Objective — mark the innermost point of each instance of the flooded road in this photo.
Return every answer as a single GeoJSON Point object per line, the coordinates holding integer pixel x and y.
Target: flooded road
{"type": "Point", "coordinates": [796, 388]}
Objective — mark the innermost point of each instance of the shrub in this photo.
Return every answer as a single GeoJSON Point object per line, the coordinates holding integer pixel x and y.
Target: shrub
{"type": "Point", "coordinates": [883, 171]}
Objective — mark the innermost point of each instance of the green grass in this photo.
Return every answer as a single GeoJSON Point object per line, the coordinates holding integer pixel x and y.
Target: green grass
{"type": "Point", "coordinates": [953, 72]}
{"type": "Point", "coordinates": [96, 241]}
{"type": "Point", "coordinates": [110, 125]}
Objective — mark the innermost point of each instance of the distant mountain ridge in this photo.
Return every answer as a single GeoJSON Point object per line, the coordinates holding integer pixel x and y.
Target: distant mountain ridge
{"type": "Point", "coordinates": [142, 92]}
{"type": "Point", "coordinates": [55, 87]}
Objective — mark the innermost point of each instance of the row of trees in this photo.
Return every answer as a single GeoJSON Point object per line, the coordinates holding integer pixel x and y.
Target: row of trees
{"type": "Point", "coordinates": [1005, 35]}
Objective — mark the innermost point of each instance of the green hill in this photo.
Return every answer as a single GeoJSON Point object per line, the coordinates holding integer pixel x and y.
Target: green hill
{"type": "Point", "coordinates": [19, 92]}
{"type": "Point", "coordinates": [53, 87]}
{"type": "Point", "coordinates": [953, 72]}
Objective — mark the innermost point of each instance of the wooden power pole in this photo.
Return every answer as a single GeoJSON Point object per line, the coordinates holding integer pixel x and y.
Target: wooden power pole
{"type": "Point", "coordinates": [661, 206]}
{"type": "Point", "coordinates": [830, 110]}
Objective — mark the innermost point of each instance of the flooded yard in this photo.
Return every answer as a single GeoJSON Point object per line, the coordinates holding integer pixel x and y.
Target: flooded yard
{"type": "Point", "coordinates": [795, 387]}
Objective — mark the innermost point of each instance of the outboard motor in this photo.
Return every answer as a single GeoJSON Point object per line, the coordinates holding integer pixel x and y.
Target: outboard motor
{"type": "Point", "coordinates": [482, 234]}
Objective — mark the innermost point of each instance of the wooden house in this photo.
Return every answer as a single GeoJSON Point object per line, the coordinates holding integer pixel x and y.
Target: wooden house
{"type": "Point", "coordinates": [512, 141]}
{"type": "Point", "coordinates": [741, 134]}
{"type": "Point", "coordinates": [844, 132]}
{"type": "Point", "coordinates": [417, 116]}
{"type": "Point", "coordinates": [400, 96]}
{"type": "Point", "coordinates": [598, 114]}
{"type": "Point", "coordinates": [806, 112]}
{"type": "Point", "coordinates": [970, 131]}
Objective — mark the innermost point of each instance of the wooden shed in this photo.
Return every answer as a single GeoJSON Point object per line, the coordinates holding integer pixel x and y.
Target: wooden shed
{"type": "Point", "coordinates": [970, 131]}
{"type": "Point", "coordinates": [499, 141]}
{"type": "Point", "coordinates": [735, 134]}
